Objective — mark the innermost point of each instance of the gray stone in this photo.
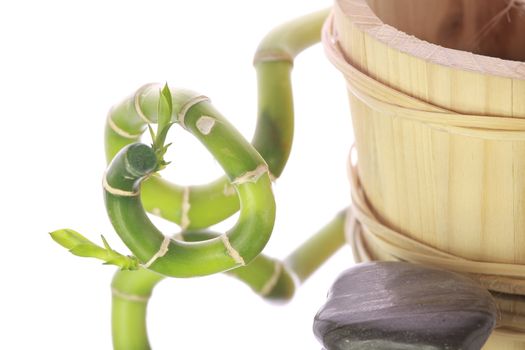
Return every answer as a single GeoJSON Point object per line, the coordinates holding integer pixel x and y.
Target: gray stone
{"type": "Point", "coordinates": [402, 306]}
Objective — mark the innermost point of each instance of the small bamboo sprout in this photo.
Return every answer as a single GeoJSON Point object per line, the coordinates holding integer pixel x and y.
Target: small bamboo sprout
{"type": "Point", "coordinates": [80, 246]}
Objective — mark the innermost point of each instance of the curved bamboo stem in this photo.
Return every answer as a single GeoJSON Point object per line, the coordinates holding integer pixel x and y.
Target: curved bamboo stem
{"type": "Point", "coordinates": [247, 172]}
{"type": "Point", "coordinates": [273, 138]}
{"type": "Point", "coordinates": [307, 258]}
{"type": "Point", "coordinates": [131, 291]}
{"type": "Point", "coordinates": [210, 204]}
{"type": "Point", "coordinates": [272, 279]}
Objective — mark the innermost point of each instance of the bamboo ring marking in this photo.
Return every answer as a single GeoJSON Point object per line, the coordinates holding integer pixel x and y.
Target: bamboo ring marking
{"type": "Point", "coordinates": [121, 131]}
{"type": "Point", "coordinates": [186, 107]}
{"type": "Point", "coordinates": [117, 191]}
{"type": "Point", "coordinates": [162, 251]}
{"type": "Point", "coordinates": [136, 103]}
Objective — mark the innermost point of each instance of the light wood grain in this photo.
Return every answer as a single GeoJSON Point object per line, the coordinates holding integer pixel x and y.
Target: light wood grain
{"type": "Point", "coordinates": [463, 194]}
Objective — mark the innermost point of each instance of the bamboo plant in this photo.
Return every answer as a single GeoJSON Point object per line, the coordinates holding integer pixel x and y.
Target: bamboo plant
{"type": "Point", "coordinates": [379, 305]}
{"type": "Point", "coordinates": [132, 186]}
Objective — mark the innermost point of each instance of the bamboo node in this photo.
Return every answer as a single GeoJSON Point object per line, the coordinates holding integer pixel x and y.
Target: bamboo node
{"type": "Point", "coordinates": [185, 207]}
{"type": "Point", "coordinates": [272, 281]}
{"type": "Point", "coordinates": [251, 176]}
{"type": "Point", "coordinates": [117, 191]}
{"type": "Point", "coordinates": [119, 131]}
{"type": "Point", "coordinates": [164, 247]}
{"type": "Point", "coordinates": [234, 254]}
{"type": "Point", "coordinates": [186, 107]}
{"type": "Point", "coordinates": [272, 55]}
{"type": "Point", "coordinates": [129, 297]}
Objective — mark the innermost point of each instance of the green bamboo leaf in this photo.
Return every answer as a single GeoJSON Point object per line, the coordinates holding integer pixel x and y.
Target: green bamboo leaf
{"type": "Point", "coordinates": [106, 244]}
{"type": "Point", "coordinates": [165, 109]}
{"type": "Point", "coordinates": [89, 251]}
{"type": "Point", "coordinates": [167, 94]}
{"type": "Point", "coordinates": [80, 246]}
{"type": "Point", "coordinates": [161, 138]}
{"type": "Point", "coordinates": [152, 134]}
{"type": "Point", "coordinates": [68, 238]}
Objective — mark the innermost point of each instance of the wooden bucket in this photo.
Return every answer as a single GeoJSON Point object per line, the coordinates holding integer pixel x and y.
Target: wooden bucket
{"type": "Point", "coordinates": [440, 137]}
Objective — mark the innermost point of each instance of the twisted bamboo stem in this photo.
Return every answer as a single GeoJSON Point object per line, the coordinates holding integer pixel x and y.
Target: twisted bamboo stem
{"type": "Point", "coordinates": [272, 279]}
{"type": "Point", "coordinates": [273, 138]}
{"type": "Point", "coordinates": [246, 171]}
{"type": "Point", "coordinates": [212, 203]}
{"type": "Point", "coordinates": [131, 185]}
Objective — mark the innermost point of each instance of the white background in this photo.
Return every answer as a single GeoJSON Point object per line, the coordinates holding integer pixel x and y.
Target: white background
{"type": "Point", "coordinates": [62, 65]}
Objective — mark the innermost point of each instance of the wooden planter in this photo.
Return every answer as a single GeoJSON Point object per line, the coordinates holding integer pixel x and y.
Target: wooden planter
{"type": "Point", "coordinates": [440, 136]}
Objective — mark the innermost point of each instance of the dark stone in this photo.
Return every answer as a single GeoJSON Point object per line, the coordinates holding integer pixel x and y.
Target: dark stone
{"type": "Point", "coordinates": [402, 306]}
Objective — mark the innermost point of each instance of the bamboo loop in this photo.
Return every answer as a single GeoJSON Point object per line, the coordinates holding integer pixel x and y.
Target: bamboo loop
{"type": "Point", "coordinates": [389, 101]}
{"type": "Point", "coordinates": [190, 253]}
{"type": "Point", "coordinates": [239, 246]}
{"type": "Point", "coordinates": [210, 203]}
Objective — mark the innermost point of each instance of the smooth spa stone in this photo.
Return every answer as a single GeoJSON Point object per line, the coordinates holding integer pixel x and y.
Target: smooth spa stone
{"type": "Point", "coordinates": [402, 306]}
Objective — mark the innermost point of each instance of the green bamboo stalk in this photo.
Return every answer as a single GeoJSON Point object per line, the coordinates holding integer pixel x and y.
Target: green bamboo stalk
{"type": "Point", "coordinates": [132, 185]}
{"type": "Point", "coordinates": [266, 276]}
{"type": "Point", "coordinates": [245, 169]}
{"type": "Point", "coordinates": [273, 137]}
{"type": "Point", "coordinates": [131, 291]}
{"type": "Point", "coordinates": [272, 279]}
{"type": "Point", "coordinates": [210, 204]}
{"type": "Point", "coordinates": [308, 257]}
